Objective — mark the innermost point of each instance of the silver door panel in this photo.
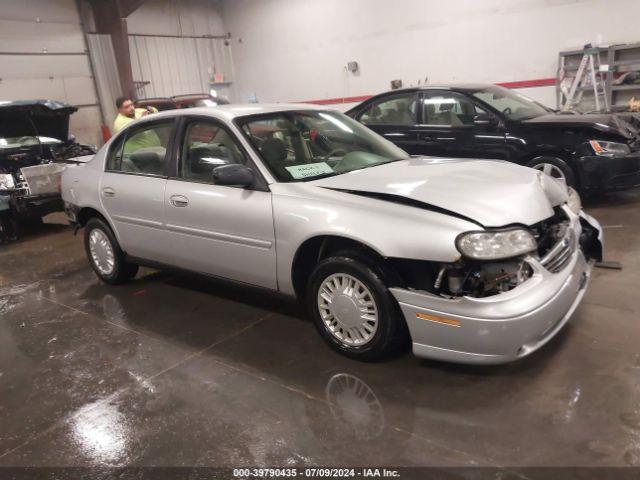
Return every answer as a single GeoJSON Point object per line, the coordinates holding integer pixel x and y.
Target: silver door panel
{"type": "Point", "coordinates": [222, 231]}
{"type": "Point", "coordinates": [135, 205]}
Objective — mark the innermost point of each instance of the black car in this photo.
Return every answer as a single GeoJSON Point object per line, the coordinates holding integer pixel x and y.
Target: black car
{"type": "Point", "coordinates": [34, 145]}
{"type": "Point", "coordinates": [591, 152]}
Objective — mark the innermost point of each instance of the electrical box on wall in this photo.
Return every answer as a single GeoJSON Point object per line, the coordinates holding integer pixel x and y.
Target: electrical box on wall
{"type": "Point", "coordinates": [395, 84]}
{"type": "Point", "coordinates": [353, 67]}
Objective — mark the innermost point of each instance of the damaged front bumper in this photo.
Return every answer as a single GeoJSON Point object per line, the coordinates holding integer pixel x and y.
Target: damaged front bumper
{"type": "Point", "coordinates": [37, 191]}
{"type": "Point", "coordinates": [508, 326]}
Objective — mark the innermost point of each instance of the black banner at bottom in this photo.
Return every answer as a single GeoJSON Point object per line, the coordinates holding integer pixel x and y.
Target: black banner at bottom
{"type": "Point", "coordinates": [402, 473]}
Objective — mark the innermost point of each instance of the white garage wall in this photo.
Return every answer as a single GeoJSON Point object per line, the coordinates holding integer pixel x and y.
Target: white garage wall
{"type": "Point", "coordinates": [43, 55]}
{"type": "Point", "coordinates": [286, 50]}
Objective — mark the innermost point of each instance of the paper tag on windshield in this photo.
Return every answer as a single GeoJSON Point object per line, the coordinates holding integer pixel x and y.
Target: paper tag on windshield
{"type": "Point", "coordinates": [309, 170]}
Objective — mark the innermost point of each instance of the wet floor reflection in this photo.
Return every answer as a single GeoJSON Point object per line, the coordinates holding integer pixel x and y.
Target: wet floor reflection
{"type": "Point", "coordinates": [101, 432]}
{"type": "Point", "coordinates": [353, 403]}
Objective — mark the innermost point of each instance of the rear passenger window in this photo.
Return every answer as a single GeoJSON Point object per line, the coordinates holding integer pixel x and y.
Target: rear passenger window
{"type": "Point", "coordinates": [207, 145]}
{"type": "Point", "coordinates": [143, 151]}
{"type": "Point", "coordinates": [397, 110]}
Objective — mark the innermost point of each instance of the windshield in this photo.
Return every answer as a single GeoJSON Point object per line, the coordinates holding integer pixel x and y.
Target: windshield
{"type": "Point", "coordinates": [26, 141]}
{"type": "Point", "coordinates": [305, 145]}
{"type": "Point", "coordinates": [514, 106]}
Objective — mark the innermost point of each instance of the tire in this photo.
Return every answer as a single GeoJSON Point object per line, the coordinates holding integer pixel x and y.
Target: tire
{"type": "Point", "coordinates": [362, 275]}
{"type": "Point", "coordinates": [557, 167]}
{"type": "Point", "coordinates": [110, 267]}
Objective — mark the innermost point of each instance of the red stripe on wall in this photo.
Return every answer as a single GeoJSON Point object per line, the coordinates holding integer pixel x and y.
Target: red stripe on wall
{"type": "Point", "coordinates": [539, 82]}
{"type": "Point", "coordinates": [329, 101]}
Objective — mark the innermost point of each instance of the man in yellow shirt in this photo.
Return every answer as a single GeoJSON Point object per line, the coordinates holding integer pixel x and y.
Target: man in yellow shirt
{"type": "Point", "coordinates": [127, 113]}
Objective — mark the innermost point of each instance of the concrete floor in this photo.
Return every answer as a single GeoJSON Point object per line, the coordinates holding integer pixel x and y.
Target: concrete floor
{"type": "Point", "coordinates": [174, 370]}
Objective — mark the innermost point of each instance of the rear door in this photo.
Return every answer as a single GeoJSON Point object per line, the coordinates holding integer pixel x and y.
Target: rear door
{"type": "Point", "coordinates": [395, 117]}
{"type": "Point", "coordinates": [132, 188]}
{"type": "Point", "coordinates": [447, 127]}
{"type": "Point", "coordinates": [217, 229]}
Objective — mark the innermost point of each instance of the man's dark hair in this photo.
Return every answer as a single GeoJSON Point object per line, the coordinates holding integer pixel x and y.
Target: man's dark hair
{"type": "Point", "coordinates": [121, 100]}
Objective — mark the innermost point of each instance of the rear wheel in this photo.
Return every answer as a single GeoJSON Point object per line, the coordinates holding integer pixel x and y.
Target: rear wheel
{"type": "Point", "coordinates": [556, 168]}
{"type": "Point", "coordinates": [353, 309]}
{"type": "Point", "coordinates": [105, 255]}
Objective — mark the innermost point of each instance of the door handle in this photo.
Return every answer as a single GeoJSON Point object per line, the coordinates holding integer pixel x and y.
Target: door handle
{"type": "Point", "coordinates": [108, 192]}
{"type": "Point", "coordinates": [179, 200]}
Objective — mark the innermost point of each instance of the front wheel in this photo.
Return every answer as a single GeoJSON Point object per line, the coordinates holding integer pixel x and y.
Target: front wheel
{"type": "Point", "coordinates": [104, 254]}
{"type": "Point", "coordinates": [556, 168]}
{"type": "Point", "coordinates": [353, 309]}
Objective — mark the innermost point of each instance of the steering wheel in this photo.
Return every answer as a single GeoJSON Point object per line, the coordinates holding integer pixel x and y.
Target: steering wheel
{"type": "Point", "coordinates": [507, 111]}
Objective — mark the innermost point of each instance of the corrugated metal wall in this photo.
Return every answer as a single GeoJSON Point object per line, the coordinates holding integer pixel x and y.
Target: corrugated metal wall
{"type": "Point", "coordinates": [43, 55]}
{"type": "Point", "coordinates": [106, 72]}
{"type": "Point", "coordinates": [166, 66]}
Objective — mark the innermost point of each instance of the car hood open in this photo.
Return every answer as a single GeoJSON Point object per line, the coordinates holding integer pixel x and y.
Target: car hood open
{"type": "Point", "coordinates": [489, 192]}
{"type": "Point", "coordinates": [44, 118]}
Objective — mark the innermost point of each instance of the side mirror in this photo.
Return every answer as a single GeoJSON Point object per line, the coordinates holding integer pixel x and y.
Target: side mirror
{"type": "Point", "coordinates": [485, 120]}
{"type": "Point", "coordinates": [234, 175]}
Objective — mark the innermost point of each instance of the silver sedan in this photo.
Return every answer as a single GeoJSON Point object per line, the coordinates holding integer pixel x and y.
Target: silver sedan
{"type": "Point", "coordinates": [474, 261]}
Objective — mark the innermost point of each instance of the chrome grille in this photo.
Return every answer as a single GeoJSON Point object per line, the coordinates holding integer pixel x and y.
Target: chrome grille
{"type": "Point", "coordinates": [560, 254]}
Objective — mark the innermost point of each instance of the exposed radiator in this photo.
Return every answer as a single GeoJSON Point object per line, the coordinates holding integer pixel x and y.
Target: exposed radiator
{"type": "Point", "coordinates": [43, 179]}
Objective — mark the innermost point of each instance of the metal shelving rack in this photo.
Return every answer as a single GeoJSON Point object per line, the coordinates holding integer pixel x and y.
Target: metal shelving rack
{"type": "Point", "coordinates": [619, 59]}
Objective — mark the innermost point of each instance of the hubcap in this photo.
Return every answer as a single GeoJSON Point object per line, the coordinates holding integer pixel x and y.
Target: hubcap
{"type": "Point", "coordinates": [101, 252]}
{"type": "Point", "coordinates": [551, 170]}
{"type": "Point", "coordinates": [348, 309]}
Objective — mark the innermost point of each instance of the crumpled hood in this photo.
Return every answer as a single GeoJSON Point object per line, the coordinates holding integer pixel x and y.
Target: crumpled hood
{"type": "Point", "coordinates": [604, 122]}
{"type": "Point", "coordinates": [490, 192]}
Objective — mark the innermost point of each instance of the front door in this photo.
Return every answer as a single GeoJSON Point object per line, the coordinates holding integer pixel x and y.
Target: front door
{"type": "Point", "coordinates": [132, 188]}
{"type": "Point", "coordinates": [447, 128]}
{"type": "Point", "coordinates": [395, 117]}
{"type": "Point", "coordinates": [219, 230]}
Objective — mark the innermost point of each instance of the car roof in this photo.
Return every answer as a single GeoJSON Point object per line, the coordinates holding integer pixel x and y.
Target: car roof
{"type": "Point", "coordinates": [229, 112]}
{"type": "Point", "coordinates": [451, 86]}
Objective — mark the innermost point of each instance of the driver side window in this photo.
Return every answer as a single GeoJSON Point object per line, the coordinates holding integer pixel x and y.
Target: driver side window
{"type": "Point", "coordinates": [207, 145]}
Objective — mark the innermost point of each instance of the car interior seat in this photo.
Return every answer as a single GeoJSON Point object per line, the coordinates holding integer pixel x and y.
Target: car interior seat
{"type": "Point", "coordinates": [274, 152]}
{"type": "Point", "coordinates": [148, 160]}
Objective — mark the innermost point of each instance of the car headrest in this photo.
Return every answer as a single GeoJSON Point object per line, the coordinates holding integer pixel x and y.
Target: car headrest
{"type": "Point", "coordinates": [148, 161]}
{"type": "Point", "coordinates": [274, 151]}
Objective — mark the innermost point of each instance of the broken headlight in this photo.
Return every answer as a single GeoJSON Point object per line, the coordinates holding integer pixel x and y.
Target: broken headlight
{"type": "Point", "coordinates": [6, 181]}
{"type": "Point", "coordinates": [496, 244]}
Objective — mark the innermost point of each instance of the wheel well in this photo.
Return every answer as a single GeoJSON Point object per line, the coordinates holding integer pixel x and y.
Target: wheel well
{"type": "Point", "coordinates": [562, 156]}
{"type": "Point", "coordinates": [313, 250]}
{"type": "Point", "coordinates": [87, 213]}
{"type": "Point", "coordinates": [547, 153]}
